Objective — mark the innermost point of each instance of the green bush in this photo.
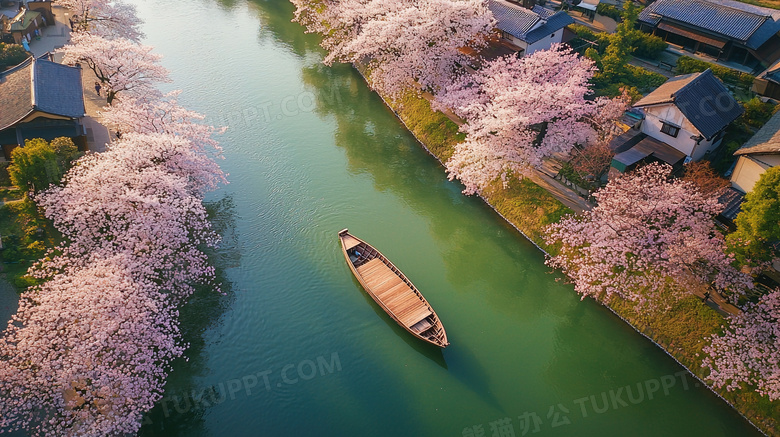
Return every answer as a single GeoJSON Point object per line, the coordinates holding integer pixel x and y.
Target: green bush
{"type": "Point", "coordinates": [686, 64]}
{"type": "Point", "coordinates": [39, 164]}
{"type": "Point", "coordinates": [609, 11]}
{"type": "Point", "coordinates": [649, 46]}
{"type": "Point", "coordinates": [757, 112]}
{"type": "Point", "coordinates": [643, 78]}
{"type": "Point", "coordinates": [583, 32]}
{"type": "Point", "coordinates": [585, 36]}
{"type": "Point", "coordinates": [11, 54]}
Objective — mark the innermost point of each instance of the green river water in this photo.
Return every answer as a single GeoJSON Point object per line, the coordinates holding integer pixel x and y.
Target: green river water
{"type": "Point", "coordinates": [296, 348]}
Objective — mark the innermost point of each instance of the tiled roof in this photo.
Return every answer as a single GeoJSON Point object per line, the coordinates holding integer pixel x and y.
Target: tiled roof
{"type": "Point", "coordinates": [543, 12]}
{"type": "Point", "coordinates": [766, 140]}
{"type": "Point", "coordinates": [23, 20]}
{"type": "Point", "coordinates": [701, 97]}
{"type": "Point", "coordinates": [519, 21]}
{"type": "Point", "coordinates": [665, 92]}
{"type": "Point", "coordinates": [513, 19]}
{"type": "Point", "coordinates": [556, 22]}
{"type": "Point", "coordinates": [57, 90]}
{"type": "Point", "coordinates": [731, 199]}
{"type": "Point", "coordinates": [15, 94]}
{"type": "Point", "coordinates": [747, 23]}
{"type": "Point", "coordinates": [647, 146]}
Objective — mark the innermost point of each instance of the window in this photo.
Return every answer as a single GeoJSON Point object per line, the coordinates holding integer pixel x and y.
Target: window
{"type": "Point", "coordinates": [670, 129]}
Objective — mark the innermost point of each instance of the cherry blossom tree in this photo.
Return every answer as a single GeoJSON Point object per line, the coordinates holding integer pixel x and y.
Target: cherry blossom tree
{"type": "Point", "coordinates": [89, 349]}
{"type": "Point", "coordinates": [141, 197]}
{"type": "Point", "coordinates": [153, 113]}
{"type": "Point", "coordinates": [120, 64]}
{"type": "Point", "coordinates": [749, 350]}
{"type": "Point", "coordinates": [88, 352]}
{"type": "Point", "coordinates": [405, 44]}
{"type": "Point", "coordinates": [510, 128]}
{"type": "Point", "coordinates": [107, 18]}
{"type": "Point", "coordinates": [646, 233]}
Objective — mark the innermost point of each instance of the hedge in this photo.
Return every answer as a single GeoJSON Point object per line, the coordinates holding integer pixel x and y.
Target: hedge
{"type": "Point", "coordinates": [609, 11]}
{"type": "Point", "coordinates": [649, 46]}
{"type": "Point", "coordinates": [686, 64]}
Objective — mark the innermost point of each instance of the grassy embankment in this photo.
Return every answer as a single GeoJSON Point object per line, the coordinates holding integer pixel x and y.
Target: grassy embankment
{"type": "Point", "coordinates": [682, 331]}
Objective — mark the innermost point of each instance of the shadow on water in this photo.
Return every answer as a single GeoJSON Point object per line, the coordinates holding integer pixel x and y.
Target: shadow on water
{"type": "Point", "coordinates": [374, 145]}
{"type": "Point", "coordinates": [459, 362]}
{"type": "Point", "coordinates": [466, 368]}
{"type": "Point", "coordinates": [176, 414]}
{"type": "Point", "coordinates": [427, 350]}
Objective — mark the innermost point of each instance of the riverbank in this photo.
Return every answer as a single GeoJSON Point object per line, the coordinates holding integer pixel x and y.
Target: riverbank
{"type": "Point", "coordinates": [681, 332]}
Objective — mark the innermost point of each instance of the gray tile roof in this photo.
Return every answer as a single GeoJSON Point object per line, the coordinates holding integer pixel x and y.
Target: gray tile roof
{"type": "Point", "coordinates": [15, 94]}
{"type": "Point", "coordinates": [57, 90]}
{"type": "Point", "coordinates": [519, 21]}
{"type": "Point", "coordinates": [766, 140]}
{"type": "Point", "coordinates": [665, 92]}
{"type": "Point", "coordinates": [731, 199]}
{"type": "Point", "coordinates": [701, 97]}
{"type": "Point", "coordinates": [556, 22]}
{"type": "Point", "coordinates": [749, 24]}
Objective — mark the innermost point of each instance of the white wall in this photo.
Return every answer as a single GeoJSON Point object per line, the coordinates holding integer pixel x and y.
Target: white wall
{"type": "Point", "coordinates": [515, 41]}
{"type": "Point", "coordinates": [546, 42]}
{"type": "Point", "coordinates": [750, 168]}
{"type": "Point", "coordinates": [655, 115]}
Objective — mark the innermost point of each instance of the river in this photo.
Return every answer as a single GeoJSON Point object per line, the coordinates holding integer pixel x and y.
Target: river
{"type": "Point", "coordinates": [296, 348]}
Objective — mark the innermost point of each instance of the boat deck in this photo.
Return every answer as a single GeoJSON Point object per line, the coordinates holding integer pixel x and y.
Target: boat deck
{"type": "Point", "coordinates": [407, 306]}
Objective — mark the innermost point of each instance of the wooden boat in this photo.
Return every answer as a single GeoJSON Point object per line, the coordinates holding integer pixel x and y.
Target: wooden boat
{"type": "Point", "coordinates": [390, 288]}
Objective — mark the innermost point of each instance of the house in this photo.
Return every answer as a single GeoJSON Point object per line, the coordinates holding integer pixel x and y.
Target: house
{"type": "Point", "coordinates": [767, 83]}
{"type": "Point", "coordinates": [757, 155]}
{"type": "Point", "coordinates": [529, 28]}
{"type": "Point", "coordinates": [40, 99]}
{"type": "Point", "coordinates": [588, 8]}
{"type": "Point", "coordinates": [760, 153]}
{"type": "Point", "coordinates": [726, 30]}
{"type": "Point", "coordinates": [682, 120]}
{"type": "Point", "coordinates": [25, 25]}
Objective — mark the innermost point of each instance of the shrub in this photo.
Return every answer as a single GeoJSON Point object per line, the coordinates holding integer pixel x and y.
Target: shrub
{"type": "Point", "coordinates": [757, 112]}
{"type": "Point", "coordinates": [649, 46]}
{"type": "Point", "coordinates": [601, 39]}
{"type": "Point", "coordinates": [39, 164]}
{"type": "Point", "coordinates": [686, 64]}
{"type": "Point", "coordinates": [11, 54]}
{"type": "Point", "coordinates": [644, 79]}
{"type": "Point", "coordinates": [583, 32]}
{"type": "Point", "coordinates": [609, 11]}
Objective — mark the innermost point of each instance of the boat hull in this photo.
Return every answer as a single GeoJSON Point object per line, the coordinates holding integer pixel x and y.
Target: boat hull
{"type": "Point", "coordinates": [392, 290]}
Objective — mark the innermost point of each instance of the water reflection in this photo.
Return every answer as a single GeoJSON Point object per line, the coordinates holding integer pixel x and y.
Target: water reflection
{"type": "Point", "coordinates": [427, 350]}
{"type": "Point", "coordinates": [177, 414]}
{"type": "Point", "coordinates": [374, 146]}
{"type": "Point", "coordinates": [276, 16]}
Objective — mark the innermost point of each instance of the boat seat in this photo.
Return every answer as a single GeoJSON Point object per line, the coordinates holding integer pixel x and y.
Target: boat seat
{"type": "Point", "coordinates": [421, 326]}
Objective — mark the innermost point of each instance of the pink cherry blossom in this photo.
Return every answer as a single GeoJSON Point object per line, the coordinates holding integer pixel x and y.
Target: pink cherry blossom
{"type": "Point", "coordinates": [405, 44]}
{"type": "Point", "coordinates": [650, 240]}
{"type": "Point", "coordinates": [107, 18]}
{"type": "Point", "coordinates": [749, 350]}
{"type": "Point", "coordinates": [120, 64]}
{"type": "Point", "coordinates": [520, 111]}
